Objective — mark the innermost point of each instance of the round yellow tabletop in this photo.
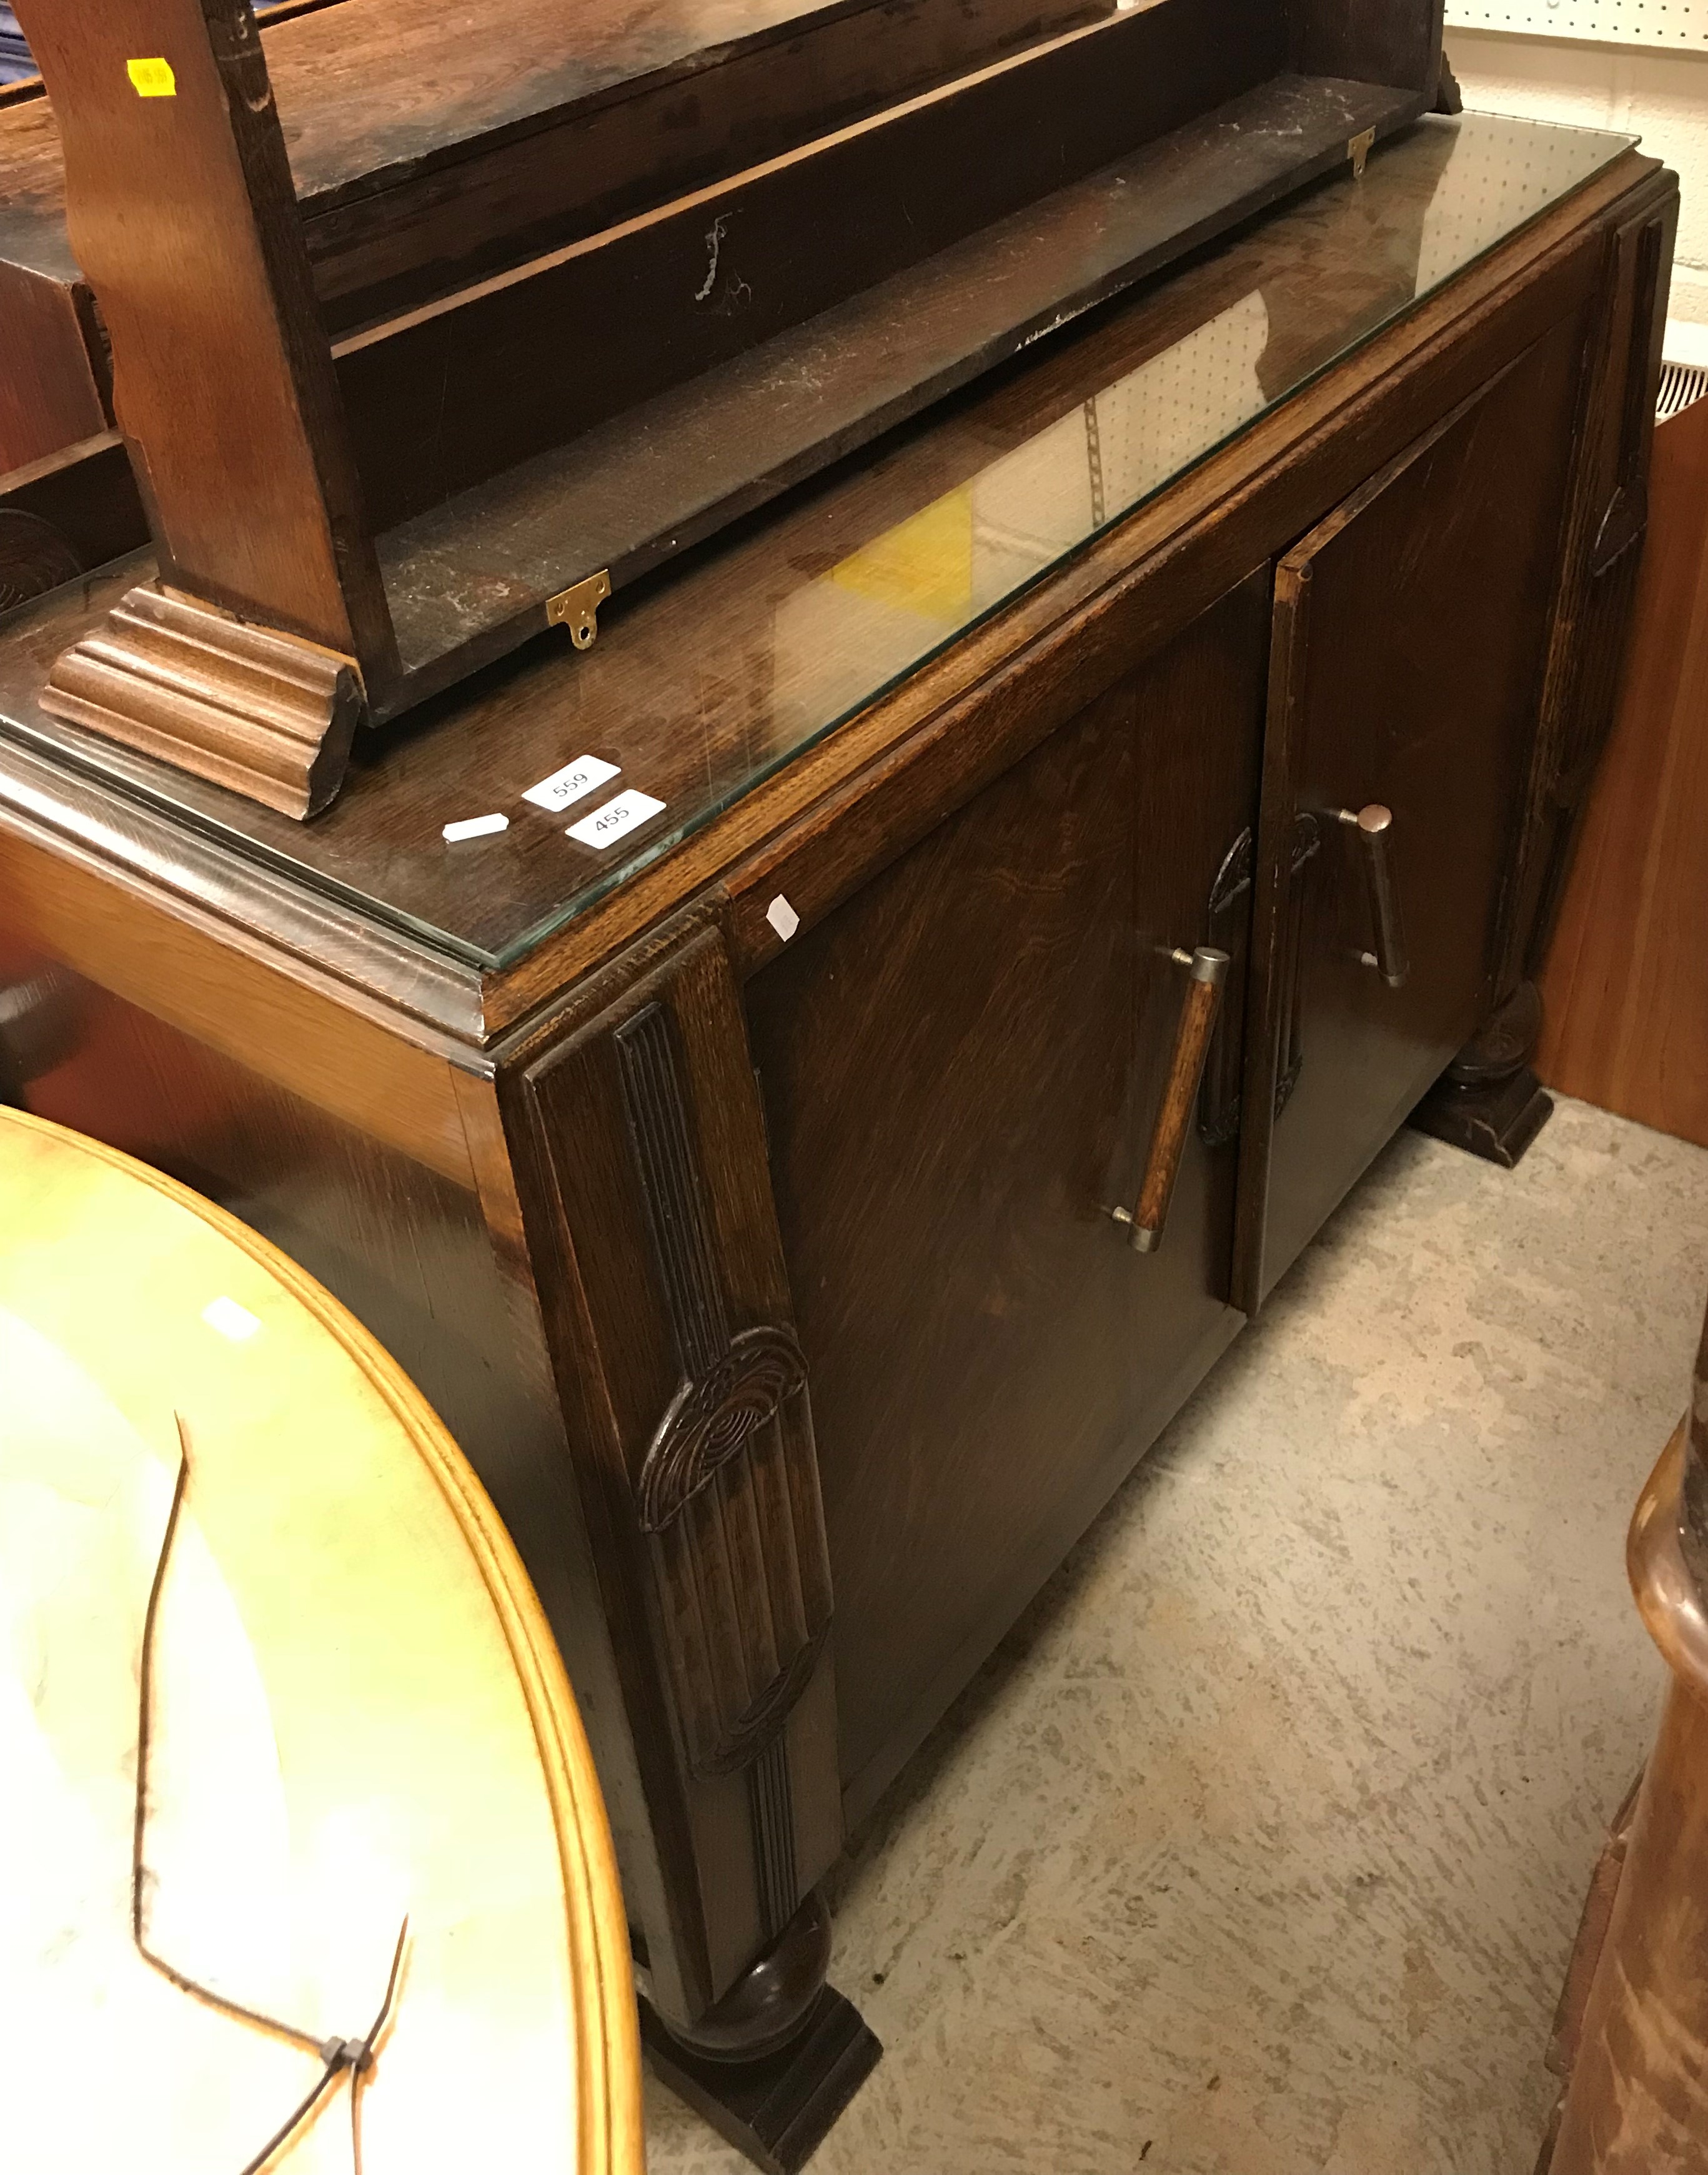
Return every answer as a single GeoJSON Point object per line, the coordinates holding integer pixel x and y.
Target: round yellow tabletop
{"type": "Point", "coordinates": [310, 1841]}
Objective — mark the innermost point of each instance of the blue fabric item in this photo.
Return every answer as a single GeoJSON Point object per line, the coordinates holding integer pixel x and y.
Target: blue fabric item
{"type": "Point", "coordinates": [16, 62]}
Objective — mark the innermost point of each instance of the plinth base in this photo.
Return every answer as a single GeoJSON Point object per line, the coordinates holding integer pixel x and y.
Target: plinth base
{"type": "Point", "coordinates": [260, 713]}
{"type": "Point", "coordinates": [1497, 1122]}
{"type": "Point", "coordinates": [778, 2110]}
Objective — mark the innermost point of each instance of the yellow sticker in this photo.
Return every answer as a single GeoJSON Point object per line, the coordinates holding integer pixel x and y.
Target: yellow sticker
{"type": "Point", "coordinates": [152, 78]}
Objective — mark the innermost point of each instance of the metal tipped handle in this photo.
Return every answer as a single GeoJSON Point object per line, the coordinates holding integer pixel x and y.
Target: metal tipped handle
{"type": "Point", "coordinates": [1374, 826]}
{"type": "Point", "coordinates": [1203, 1001]}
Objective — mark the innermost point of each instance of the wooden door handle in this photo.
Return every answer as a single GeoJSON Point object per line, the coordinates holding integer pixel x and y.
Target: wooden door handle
{"type": "Point", "coordinates": [1372, 826]}
{"type": "Point", "coordinates": [1203, 1001]}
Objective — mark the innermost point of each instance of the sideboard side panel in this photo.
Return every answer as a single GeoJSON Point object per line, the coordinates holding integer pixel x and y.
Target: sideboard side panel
{"type": "Point", "coordinates": [690, 1413]}
{"type": "Point", "coordinates": [1606, 528]}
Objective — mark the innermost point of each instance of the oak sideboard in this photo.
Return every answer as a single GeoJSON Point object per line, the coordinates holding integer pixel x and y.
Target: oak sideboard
{"type": "Point", "coordinates": [951, 943]}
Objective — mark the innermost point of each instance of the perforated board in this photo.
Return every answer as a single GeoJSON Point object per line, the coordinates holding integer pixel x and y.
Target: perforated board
{"type": "Point", "coordinates": [1679, 26]}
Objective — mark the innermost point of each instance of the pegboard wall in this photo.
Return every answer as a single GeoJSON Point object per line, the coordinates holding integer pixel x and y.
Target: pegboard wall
{"type": "Point", "coordinates": [1679, 26]}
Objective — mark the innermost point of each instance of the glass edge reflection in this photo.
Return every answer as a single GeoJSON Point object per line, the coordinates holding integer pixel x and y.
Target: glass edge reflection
{"type": "Point", "coordinates": [511, 954]}
{"type": "Point", "coordinates": [465, 951]}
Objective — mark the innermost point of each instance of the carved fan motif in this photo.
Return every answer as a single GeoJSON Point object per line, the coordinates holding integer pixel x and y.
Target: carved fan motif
{"type": "Point", "coordinates": [728, 1489]}
{"type": "Point", "coordinates": [709, 1420]}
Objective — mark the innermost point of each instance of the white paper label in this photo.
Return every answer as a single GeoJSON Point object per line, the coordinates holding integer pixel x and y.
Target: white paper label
{"type": "Point", "coordinates": [230, 1319]}
{"type": "Point", "coordinates": [606, 825]}
{"type": "Point", "coordinates": [475, 827]}
{"type": "Point", "coordinates": [573, 783]}
{"type": "Point", "coordinates": [783, 917]}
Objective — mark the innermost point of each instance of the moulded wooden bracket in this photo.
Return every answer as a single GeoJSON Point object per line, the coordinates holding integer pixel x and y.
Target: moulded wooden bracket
{"type": "Point", "coordinates": [264, 714]}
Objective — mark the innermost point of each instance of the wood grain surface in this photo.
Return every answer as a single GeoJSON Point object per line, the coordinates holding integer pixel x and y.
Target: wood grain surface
{"type": "Point", "coordinates": [641, 479]}
{"type": "Point", "coordinates": [961, 1068]}
{"type": "Point", "coordinates": [1634, 2098]}
{"type": "Point", "coordinates": [52, 392]}
{"type": "Point", "coordinates": [265, 715]}
{"type": "Point", "coordinates": [1601, 552]}
{"type": "Point", "coordinates": [1200, 1003]}
{"type": "Point", "coordinates": [87, 492]}
{"type": "Point", "coordinates": [550, 127]}
{"type": "Point", "coordinates": [1626, 1013]}
{"type": "Point", "coordinates": [308, 1438]}
{"type": "Point", "coordinates": [708, 276]}
{"type": "Point", "coordinates": [182, 216]}
{"type": "Point", "coordinates": [194, 971]}
{"type": "Point", "coordinates": [1453, 549]}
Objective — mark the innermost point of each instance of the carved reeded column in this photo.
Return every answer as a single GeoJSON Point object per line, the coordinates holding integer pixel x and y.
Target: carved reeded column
{"type": "Point", "coordinates": [688, 1399]}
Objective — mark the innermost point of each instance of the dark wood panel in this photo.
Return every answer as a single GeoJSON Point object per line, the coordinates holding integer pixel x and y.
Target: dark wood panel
{"type": "Point", "coordinates": [196, 970]}
{"type": "Point", "coordinates": [423, 155]}
{"type": "Point", "coordinates": [509, 365]}
{"type": "Point", "coordinates": [961, 1067]}
{"type": "Point", "coordinates": [87, 493]}
{"type": "Point", "coordinates": [466, 577]}
{"type": "Point", "coordinates": [1368, 38]}
{"type": "Point", "coordinates": [469, 174]}
{"type": "Point", "coordinates": [1604, 550]}
{"type": "Point", "coordinates": [1410, 633]}
{"type": "Point", "coordinates": [533, 64]}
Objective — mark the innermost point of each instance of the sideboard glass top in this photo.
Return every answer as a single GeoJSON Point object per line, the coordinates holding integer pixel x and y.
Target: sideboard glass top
{"type": "Point", "coordinates": [707, 679]}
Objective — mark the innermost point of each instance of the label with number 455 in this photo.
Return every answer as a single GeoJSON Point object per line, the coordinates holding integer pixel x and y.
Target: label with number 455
{"type": "Point", "coordinates": [606, 825]}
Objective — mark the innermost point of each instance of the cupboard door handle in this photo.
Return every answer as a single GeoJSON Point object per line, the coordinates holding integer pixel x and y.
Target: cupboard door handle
{"type": "Point", "coordinates": [1203, 1000]}
{"type": "Point", "coordinates": [1374, 826]}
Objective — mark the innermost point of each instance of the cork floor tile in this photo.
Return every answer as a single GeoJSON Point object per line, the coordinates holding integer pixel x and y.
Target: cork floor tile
{"type": "Point", "coordinates": [1259, 1846]}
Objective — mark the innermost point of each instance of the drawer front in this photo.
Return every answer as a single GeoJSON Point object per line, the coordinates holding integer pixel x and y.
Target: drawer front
{"type": "Point", "coordinates": [962, 1069]}
{"type": "Point", "coordinates": [1406, 674]}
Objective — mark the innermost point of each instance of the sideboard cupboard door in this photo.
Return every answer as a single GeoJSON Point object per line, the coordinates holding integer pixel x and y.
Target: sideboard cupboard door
{"type": "Point", "coordinates": [963, 1068]}
{"type": "Point", "coordinates": [1406, 676]}
{"type": "Point", "coordinates": [689, 1411]}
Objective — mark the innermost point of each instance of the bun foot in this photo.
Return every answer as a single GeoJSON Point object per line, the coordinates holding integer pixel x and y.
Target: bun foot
{"type": "Point", "coordinates": [1488, 1102]}
{"type": "Point", "coordinates": [774, 2062]}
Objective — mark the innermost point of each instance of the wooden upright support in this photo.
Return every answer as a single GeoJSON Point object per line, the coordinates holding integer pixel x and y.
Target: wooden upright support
{"type": "Point", "coordinates": [183, 216]}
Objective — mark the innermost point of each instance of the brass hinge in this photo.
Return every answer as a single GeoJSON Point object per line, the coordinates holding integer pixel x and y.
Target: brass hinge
{"type": "Point", "coordinates": [577, 608]}
{"type": "Point", "coordinates": [1358, 149]}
